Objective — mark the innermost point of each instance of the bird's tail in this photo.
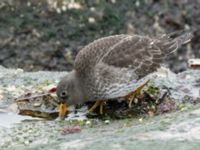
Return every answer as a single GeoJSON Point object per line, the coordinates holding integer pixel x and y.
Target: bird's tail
{"type": "Point", "coordinates": [183, 39]}
{"type": "Point", "coordinates": [174, 43]}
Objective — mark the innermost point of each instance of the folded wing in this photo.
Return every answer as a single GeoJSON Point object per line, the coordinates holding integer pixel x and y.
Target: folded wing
{"type": "Point", "coordinates": [123, 66]}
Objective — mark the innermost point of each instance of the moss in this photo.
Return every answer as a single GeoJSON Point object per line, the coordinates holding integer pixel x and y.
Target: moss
{"type": "Point", "coordinates": [152, 90]}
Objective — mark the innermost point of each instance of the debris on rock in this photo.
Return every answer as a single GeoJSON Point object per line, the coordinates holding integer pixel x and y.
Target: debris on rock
{"type": "Point", "coordinates": [42, 105]}
{"type": "Point", "coordinates": [194, 63]}
{"type": "Point", "coordinates": [70, 129]}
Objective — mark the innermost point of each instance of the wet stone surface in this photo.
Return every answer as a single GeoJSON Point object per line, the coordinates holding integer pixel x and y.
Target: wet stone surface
{"type": "Point", "coordinates": [178, 129]}
{"type": "Point", "coordinates": [42, 105]}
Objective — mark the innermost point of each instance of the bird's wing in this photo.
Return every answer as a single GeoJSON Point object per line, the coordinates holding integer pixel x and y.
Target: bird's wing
{"type": "Point", "coordinates": [142, 54]}
{"type": "Point", "coordinates": [129, 60]}
{"type": "Point", "coordinates": [137, 53]}
{"type": "Point", "coordinates": [91, 54]}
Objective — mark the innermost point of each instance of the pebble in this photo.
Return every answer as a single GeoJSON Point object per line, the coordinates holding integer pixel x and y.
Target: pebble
{"type": "Point", "coordinates": [19, 70]}
{"type": "Point", "coordinates": [107, 121]}
{"type": "Point", "coordinates": [141, 120]}
{"type": "Point", "coordinates": [64, 8]}
{"type": "Point", "coordinates": [91, 20]}
{"type": "Point", "coordinates": [26, 142]}
{"type": "Point", "coordinates": [88, 122]}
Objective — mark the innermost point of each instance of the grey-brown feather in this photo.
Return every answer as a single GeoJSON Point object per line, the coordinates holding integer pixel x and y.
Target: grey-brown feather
{"type": "Point", "coordinates": [90, 55]}
{"type": "Point", "coordinates": [116, 63]}
{"type": "Point", "coordinates": [113, 66]}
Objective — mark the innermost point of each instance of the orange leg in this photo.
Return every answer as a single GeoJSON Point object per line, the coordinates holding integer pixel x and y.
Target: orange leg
{"type": "Point", "coordinates": [99, 103]}
{"type": "Point", "coordinates": [131, 96]}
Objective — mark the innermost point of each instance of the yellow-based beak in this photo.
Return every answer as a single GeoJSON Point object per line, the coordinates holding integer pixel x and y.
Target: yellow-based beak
{"type": "Point", "coordinates": [62, 110]}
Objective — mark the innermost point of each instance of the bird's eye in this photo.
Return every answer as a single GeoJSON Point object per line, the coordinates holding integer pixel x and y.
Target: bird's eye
{"type": "Point", "coordinates": [63, 94]}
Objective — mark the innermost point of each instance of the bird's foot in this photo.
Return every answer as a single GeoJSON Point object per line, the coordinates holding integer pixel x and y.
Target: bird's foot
{"type": "Point", "coordinates": [99, 103]}
{"type": "Point", "coordinates": [131, 96]}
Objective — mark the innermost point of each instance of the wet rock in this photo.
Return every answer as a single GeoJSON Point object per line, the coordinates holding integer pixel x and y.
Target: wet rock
{"type": "Point", "coordinates": [70, 129]}
{"type": "Point", "coordinates": [133, 131]}
{"type": "Point", "coordinates": [166, 106]}
{"type": "Point", "coordinates": [42, 105]}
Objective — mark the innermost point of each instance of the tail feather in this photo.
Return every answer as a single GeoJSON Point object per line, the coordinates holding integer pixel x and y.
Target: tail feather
{"type": "Point", "coordinates": [173, 44]}
{"type": "Point", "coordinates": [184, 39]}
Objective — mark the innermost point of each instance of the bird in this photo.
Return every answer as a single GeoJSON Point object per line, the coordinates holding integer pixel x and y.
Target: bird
{"type": "Point", "coordinates": [113, 67]}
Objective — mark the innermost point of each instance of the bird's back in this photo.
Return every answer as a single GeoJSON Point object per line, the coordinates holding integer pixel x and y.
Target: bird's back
{"type": "Point", "coordinates": [90, 55]}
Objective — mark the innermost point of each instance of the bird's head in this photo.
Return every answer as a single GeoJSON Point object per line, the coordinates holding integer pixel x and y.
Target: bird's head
{"type": "Point", "coordinates": [68, 92]}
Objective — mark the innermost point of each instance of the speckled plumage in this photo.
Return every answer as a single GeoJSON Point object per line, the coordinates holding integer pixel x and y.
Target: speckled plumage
{"type": "Point", "coordinates": [111, 67]}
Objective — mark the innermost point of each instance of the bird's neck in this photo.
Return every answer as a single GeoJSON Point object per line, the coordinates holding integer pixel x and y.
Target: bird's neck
{"type": "Point", "coordinates": [78, 88]}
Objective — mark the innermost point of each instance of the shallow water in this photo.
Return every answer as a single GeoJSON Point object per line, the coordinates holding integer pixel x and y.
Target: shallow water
{"type": "Point", "coordinates": [10, 119]}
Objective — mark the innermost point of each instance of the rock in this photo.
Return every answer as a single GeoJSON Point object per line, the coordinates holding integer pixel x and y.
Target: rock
{"type": "Point", "coordinates": [42, 105]}
{"type": "Point", "coordinates": [142, 132]}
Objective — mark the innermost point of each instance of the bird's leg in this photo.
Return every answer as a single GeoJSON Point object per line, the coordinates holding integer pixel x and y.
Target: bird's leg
{"type": "Point", "coordinates": [99, 103]}
{"type": "Point", "coordinates": [130, 97]}
{"type": "Point", "coordinates": [101, 106]}
{"type": "Point", "coordinates": [94, 106]}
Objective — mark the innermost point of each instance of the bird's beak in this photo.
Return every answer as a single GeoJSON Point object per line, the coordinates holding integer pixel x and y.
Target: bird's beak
{"type": "Point", "coordinates": [62, 110]}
